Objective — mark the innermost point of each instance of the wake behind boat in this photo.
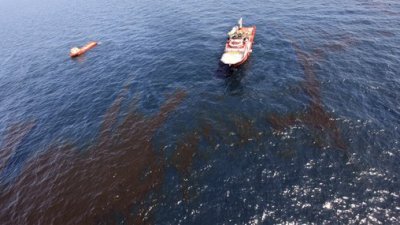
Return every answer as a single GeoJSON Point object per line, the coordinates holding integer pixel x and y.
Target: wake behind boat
{"type": "Point", "coordinates": [239, 45]}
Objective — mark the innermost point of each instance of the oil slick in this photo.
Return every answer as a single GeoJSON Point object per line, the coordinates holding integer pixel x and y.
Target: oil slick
{"type": "Point", "coordinates": [183, 158]}
{"type": "Point", "coordinates": [315, 116]}
{"type": "Point", "coordinates": [122, 172]}
{"type": "Point", "coordinates": [119, 171]}
{"type": "Point", "coordinates": [15, 134]}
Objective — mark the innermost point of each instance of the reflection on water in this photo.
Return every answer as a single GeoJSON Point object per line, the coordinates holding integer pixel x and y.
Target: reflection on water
{"type": "Point", "coordinates": [232, 77]}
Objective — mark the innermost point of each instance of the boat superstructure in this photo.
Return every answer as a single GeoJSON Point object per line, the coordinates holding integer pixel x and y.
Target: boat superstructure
{"type": "Point", "coordinates": [239, 45]}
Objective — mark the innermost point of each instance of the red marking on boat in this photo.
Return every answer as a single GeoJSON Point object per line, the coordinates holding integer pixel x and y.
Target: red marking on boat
{"type": "Point", "coordinates": [80, 51]}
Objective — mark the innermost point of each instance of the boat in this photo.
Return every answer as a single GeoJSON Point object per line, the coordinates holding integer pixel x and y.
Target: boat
{"type": "Point", "coordinates": [75, 51]}
{"type": "Point", "coordinates": [239, 45]}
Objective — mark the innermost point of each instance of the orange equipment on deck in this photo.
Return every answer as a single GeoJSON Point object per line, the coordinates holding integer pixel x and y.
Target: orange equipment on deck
{"type": "Point", "coordinates": [79, 51]}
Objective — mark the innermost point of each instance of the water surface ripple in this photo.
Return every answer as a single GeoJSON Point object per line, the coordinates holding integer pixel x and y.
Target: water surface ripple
{"type": "Point", "coordinates": [149, 127]}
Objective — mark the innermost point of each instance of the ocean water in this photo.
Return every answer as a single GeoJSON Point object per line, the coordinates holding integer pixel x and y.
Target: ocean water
{"type": "Point", "coordinates": [149, 128]}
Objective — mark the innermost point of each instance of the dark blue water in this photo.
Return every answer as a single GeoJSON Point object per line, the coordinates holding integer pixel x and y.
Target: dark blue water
{"type": "Point", "coordinates": [307, 131]}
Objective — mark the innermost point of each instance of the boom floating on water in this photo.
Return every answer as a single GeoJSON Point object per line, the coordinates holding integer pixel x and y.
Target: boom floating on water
{"type": "Point", "coordinates": [239, 45]}
{"type": "Point", "coordinates": [79, 51]}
